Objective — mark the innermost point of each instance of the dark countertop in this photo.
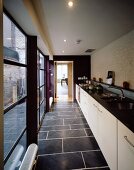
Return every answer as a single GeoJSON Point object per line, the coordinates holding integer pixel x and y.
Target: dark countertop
{"type": "Point", "coordinates": [126, 116]}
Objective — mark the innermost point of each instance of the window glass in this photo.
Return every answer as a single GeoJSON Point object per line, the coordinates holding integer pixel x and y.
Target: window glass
{"type": "Point", "coordinates": [14, 124]}
{"type": "Point", "coordinates": [41, 77]}
{"type": "Point", "coordinates": [38, 98]}
{"type": "Point", "coordinates": [42, 110]}
{"type": "Point", "coordinates": [14, 84]}
{"type": "Point", "coordinates": [17, 155]}
{"type": "Point", "coordinates": [41, 61]}
{"type": "Point", "coordinates": [41, 94]}
{"type": "Point", "coordinates": [38, 117]}
{"type": "Point", "coordinates": [14, 42]}
{"type": "Point", "coordinates": [15, 88]}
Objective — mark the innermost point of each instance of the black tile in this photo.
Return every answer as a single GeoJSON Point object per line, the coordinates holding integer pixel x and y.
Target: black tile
{"type": "Point", "coordinates": [80, 126]}
{"type": "Point", "coordinates": [60, 115]}
{"type": "Point", "coordinates": [79, 116]}
{"type": "Point", "coordinates": [102, 168]}
{"type": "Point", "coordinates": [94, 159]}
{"type": "Point", "coordinates": [80, 144]}
{"type": "Point", "coordinates": [52, 122]}
{"type": "Point", "coordinates": [48, 128]}
{"type": "Point", "coordinates": [66, 114]}
{"type": "Point", "coordinates": [75, 121]}
{"type": "Point", "coordinates": [67, 109]}
{"type": "Point", "coordinates": [50, 146]}
{"type": "Point", "coordinates": [60, 162]}
{"type": "Point", "coordinates": [66, 133]}
{"type": "Point", "coordinates": [89, 132]}
{"type": "Point", "coordinates": [42, 135]}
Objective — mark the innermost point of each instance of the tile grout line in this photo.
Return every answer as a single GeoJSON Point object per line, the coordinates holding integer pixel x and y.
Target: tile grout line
{"type": "Point", "coordinates": [92, 168]}
{"type": "Point", "coordinates": [83, 159]}
{"type": "Point", "coordinates": [47, 135]}
{"type": "Point", "coordinates": [85, 132]}
{"type": "Point", "coordinates": [98, 150]}
{"type": "Point", "coordinates": [76, 137]}
{"type": "Point", "coordinates": [66, 129]}
{"type": "Point", "coordinates": [67, 125]}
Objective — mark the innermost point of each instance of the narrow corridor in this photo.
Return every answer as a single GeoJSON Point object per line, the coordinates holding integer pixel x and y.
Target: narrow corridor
{"type": "Point", "coordinates": [66, 141]}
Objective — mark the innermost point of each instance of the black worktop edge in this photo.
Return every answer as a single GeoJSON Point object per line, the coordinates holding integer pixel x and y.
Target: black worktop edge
{"type": "Point", "coordinates": [126, 118]}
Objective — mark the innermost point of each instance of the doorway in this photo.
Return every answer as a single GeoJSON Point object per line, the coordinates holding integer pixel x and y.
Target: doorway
{"type": "Point", "coordinates": [63, 81]}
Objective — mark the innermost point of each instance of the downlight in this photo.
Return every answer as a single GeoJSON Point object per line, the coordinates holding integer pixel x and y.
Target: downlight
{"type": "Point", "coordinates": [70, 4]}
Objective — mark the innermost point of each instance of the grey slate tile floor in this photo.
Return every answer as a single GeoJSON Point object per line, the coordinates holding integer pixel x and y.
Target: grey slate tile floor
{"type": "Point", "coordinates": [66, 141]}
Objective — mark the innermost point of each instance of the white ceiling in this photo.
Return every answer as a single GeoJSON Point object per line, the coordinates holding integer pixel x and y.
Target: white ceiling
{"type": "Point", "coordinates": [95, 22]}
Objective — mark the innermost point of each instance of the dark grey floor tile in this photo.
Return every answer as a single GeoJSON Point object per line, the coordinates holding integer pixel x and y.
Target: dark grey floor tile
{"type": "Point", "coordinates": [66, 133]}
{"type": "Point", "coordinates": [67, 114]}
{"type": "Point", "coordinates": [61, 116]}
{"type": "Point", "coordinates": [48, 128]}
{"type": "Point", "coordinates": [49, 114]}
{"type": "Point", "coordinates": [60, 162]}
{"type": "Point", "coordinates": [79, 116]}
{"type": "Point", "coordinates": [52, 122]}
{"type": "Point", "coordinates": [98, 169]}
{"type": "Point", "coordinates": [76, 109]}
{"type": "Point", "coordinates": [42, 135]}
{"type": "Point", "coordinates": [50, 146]}
{"type": "Point", "coordinates": [94, 159]}
{"type": "Point", "coordinates": [65, 106]}
{"type": "Point", "coordinates": [80, 126]}
{"type": "Point", "coordinates": [75, 121]}
{"type": "Point", "coordinates": [80, 144]}
{"type": "Point", "coordinates": [89, 132]}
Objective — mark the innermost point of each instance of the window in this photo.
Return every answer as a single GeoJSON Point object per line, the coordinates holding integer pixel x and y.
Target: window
{"type": "Point", "coordinates": [14, 84]}
{"type": "Point", "coordinates": [15, 94]}
{"type": "Point", "coordinates": [41, 89]}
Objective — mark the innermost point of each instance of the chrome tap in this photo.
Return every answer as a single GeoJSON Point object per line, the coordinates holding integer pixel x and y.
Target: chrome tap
{"type": "Point", "coordinates": [122, 93]}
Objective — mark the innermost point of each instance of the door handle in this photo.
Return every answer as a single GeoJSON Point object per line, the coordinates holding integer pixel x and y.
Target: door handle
{"type": "Point", "coordinates": [128, 141]}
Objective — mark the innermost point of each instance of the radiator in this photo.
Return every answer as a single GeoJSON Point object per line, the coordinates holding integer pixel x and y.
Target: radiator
{"type": "Point", "coordinates": [14, 160]}
{"type": "Point", "coordinates": [29, 158]}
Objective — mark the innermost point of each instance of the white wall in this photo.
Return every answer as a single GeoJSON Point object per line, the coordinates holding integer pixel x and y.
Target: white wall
{"type": "Point", "coordinates": [118, 56]}
{"type": "Point", "coordinates": [1, 85]}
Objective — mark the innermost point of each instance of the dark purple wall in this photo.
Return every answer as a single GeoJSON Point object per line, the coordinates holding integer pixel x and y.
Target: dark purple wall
{"type": "Point", "coordinates": [82, 65]}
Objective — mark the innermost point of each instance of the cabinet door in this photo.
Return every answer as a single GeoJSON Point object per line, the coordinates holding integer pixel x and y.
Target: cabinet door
{"type": "Point", "coordinates": [77, 90]}
{"type": "Point", "coordinates": [125, 148]}
{"type": "Point", "coordinates": [107, 136]}
{"type": "Point", "coordinates": [93, 117]}
{"type": "Point", "coordinates": [83, 102]}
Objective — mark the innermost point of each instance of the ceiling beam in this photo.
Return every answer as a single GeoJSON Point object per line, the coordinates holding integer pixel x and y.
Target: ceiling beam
{"type": "Point", "coordinates": [36, 12]}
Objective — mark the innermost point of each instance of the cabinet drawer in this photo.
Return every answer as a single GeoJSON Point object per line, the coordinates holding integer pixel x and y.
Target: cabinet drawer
{"type": "Point", "coordinates": [125, 148]}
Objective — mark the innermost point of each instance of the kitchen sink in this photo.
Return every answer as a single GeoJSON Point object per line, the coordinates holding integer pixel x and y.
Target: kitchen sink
{"type": "Point", "coordinates": [118, 102]}
{"type": "Point", "coordinates": [109, 97]}
{"type": "Point", "coordinates": [123, 105]}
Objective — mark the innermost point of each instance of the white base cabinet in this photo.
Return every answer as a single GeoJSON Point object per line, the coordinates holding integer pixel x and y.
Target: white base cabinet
{"type": "Point", "coordinates": [107, 136]}
{"type": "Point", "coordinates": [116, 141]}
{"type": "Point", "coordinates": [103, 125]}
{"type": "Point", "coordinates": [125, 148]}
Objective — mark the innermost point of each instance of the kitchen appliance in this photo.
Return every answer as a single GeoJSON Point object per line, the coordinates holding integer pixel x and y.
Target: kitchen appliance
{"type": "Point", "coordinates": [110, 78]}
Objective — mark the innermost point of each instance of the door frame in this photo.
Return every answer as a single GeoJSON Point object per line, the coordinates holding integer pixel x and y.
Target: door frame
{"type": "Point", "coordinates": [55, 78]}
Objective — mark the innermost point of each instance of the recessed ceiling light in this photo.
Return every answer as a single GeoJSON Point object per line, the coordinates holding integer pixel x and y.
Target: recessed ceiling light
{"type": "Point", "coordinates": [65, 40]}
{"type": "Point", "coordinates": [63, 51]}
{"type": "Point", "coordinates": [70, 3]}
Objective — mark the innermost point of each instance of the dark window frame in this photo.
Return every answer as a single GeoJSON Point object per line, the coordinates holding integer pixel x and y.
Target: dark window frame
{"type": "Point", "coordinates": [10, 62]}
{"type": "Point", "coordinates": [40, 86]}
